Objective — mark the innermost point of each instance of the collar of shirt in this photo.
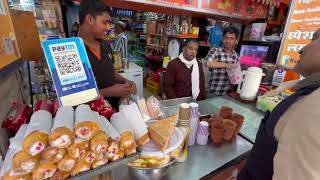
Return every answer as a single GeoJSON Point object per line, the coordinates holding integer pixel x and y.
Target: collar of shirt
{"type": "Point", "coordinates": [234, 53]}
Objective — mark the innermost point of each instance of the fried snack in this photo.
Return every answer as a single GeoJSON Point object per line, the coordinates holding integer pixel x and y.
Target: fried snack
{"type": "Point", "coordinates": [127, 139]}
{"type": "Point", "coordinates": [60, 175]}
{"type": "Point", "coordinates": [77, 148]}
{"type": "Point", "coordinates": [89, 157]}
{"type": "Point", "coordinates": [53, 154]}
{"type": "Point", "coordinates": [7, 176]}
{"type": "Point", "coordinates": [86, 125]}
{"type": "Point", "coordinates": [130, 150]}
{"type": "Point", "coordinates": [79, 167]}
{"type": "Point", "coordinates": [134, 119]}
{"type": "Point", "coordinates": [23, 162]}
{"type": "Point", "coordinates": [36, 137]}
{"type": "Point", "coordinates": [44, 170]}
{"type": "Point", "coordinates": [62, 135]}
{"type": "Point", "coordinates": [112, 150]}
{"type": "Point", "coordinates": [66, 164]}
{"type": "Point", "coordinates": [108, 128]}
{"type": "Point", "coordinates": [119, 155]}
{"type": "Point", "coordinates": [99, 143]}
{"type": "Point", "coordinates": [101, 159]}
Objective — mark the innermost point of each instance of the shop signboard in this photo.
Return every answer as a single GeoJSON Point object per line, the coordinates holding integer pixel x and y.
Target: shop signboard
{"type": "Point", "coordinates": [303, 21]}
{"type": "Point", "coordinates": [190, 3]}
{"type": "Point", "coordinates": [70, 70]}
{"type": "Point", "coordinates": [241, 8]}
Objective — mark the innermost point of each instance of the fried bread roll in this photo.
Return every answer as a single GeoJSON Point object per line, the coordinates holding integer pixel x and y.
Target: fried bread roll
{"type": "Point", "coordinates": [85, 124]}
{"type": "Point", "coordinates": [60, 175]}
{"type": "Point", "coordinates": [36, 137]}
{"type": "Point", "coordinates": [78, 148]}
{"type": "Point", "coordinates": [99, 143]}
{"type": "Point", "coordinates": [118, 120]}
{"type": "Point", "coordinates": [66, 164]}
{"type": "Point", "coordinates": [8, 176]}
{"type": "Point", "coordinates": [101, 159]}
{"type": "Point", "coordinates": [23, 162]}
{"type": "Point", "coordinates": [113, 150]}
{"type": "Point", "coordinates": [62, 135]}
{"type": "Point", "coordinates": [107, 127]}
{"type": "Point", "coordinates": [44, 170]}
{"type": "Point", "coordinates": [53, 154]}
{"type": "Point", "coordinates": [130, 150]}
{"type": "Point", "coordinates": [80, 166]}
{"type": "Point", "coordinates": [134, 119]}
{"type": "Point", "coordinates": [89, 157]}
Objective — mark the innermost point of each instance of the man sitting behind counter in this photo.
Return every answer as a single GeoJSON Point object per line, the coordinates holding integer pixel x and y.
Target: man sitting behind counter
{"type": "Point", "coordinates": [184, 76]}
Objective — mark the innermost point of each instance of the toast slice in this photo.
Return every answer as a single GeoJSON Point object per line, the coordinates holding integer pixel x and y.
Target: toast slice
{"type": "Point", "coordinates": [161, 131]}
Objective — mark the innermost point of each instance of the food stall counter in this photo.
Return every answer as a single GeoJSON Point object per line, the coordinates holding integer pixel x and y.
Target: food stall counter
{"type": "Point", "coordinates": [209, 106]}
{"type": "Point", "coordinates": [202, 162]}
{"type": "Point", "coordinates": [252, 115]}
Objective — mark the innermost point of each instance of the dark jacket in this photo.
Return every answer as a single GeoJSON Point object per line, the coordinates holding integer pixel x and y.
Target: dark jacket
{"type": "Point", "coordinates": [177, 80]}
{"type": "Point", "coordinates": [259, 165]}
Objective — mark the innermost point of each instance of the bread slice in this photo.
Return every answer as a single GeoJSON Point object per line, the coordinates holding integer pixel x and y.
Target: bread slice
{"type": "Point", "coordinates": [161, 131]}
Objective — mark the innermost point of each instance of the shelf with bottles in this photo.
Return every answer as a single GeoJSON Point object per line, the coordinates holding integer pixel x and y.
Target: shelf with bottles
{"type": "Point", "coordinates": [184, 36]}
{"type": "Point", "coordinates": [123, 12]}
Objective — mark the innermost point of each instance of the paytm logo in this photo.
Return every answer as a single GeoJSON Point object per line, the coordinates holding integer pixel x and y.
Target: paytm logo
{"type": "Point", "coordinates": [60, 48]}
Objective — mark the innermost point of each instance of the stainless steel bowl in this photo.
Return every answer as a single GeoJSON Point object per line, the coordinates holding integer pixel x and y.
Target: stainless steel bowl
{"type": "Point", "coordinates": [149, 173]}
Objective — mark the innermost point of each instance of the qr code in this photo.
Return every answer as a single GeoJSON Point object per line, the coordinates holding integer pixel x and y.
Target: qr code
{"type": "Point", "coordinates": [68, 64]}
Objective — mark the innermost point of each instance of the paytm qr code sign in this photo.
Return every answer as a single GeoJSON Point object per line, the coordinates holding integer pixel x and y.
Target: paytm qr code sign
{"type": "Point", "coordinates": [67, 62]}
{"type": "Point", "coordinates": [71, 71]}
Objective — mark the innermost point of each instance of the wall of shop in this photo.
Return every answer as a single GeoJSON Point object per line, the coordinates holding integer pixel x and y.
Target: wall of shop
{"type": "Point", "coordinates": [12, 88]}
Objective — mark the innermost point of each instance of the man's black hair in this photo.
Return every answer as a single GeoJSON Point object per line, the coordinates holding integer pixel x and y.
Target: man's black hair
{"type": "Point", "coordinates": [231, 30]}
{"type": "Point", "coordinates": [185, 43]}
{"type": "Point", "coordinates": [91, 7]}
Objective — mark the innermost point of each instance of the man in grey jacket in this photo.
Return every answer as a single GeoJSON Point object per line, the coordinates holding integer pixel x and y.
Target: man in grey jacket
{"type": "Point", "coordinates": [287, 145]}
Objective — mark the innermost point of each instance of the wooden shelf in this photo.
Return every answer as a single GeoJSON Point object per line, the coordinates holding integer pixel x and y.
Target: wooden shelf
{"type": "Point", "coordinates": [160, 35]}
{"type": "Point", "coordinates": [184, 36]}
{"type": "Point", "coordinates": [155, 46]}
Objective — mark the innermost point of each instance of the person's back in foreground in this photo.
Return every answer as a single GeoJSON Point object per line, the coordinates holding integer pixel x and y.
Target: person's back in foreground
{"type": "Point", "coordinates": [288, 141]}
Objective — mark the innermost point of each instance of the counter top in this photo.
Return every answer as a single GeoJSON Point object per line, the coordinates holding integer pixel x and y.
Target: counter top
{"type": "Point", "coordinates": [202, 161]}
{"type": "Point", "coordinates": [252, 115]}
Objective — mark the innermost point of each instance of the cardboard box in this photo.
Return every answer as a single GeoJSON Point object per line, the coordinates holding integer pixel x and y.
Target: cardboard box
{"type": "Point", "coordinates": [27, 37]}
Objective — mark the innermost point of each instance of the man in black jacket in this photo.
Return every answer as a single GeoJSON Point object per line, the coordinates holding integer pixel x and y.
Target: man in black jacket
{"type": "Point", "coordinates": [94, 23]}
